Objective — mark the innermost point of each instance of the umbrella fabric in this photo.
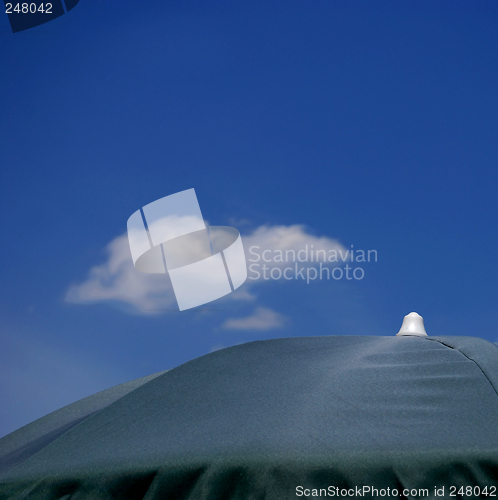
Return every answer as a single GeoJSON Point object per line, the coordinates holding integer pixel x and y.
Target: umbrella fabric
{"type": "Point", "coordinates": [275, 419]}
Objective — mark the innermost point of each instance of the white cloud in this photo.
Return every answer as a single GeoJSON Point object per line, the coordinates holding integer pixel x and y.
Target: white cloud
{"type": "Point", "coordinates": [263, 319]}
{"type": "Point", "coordinates": [116, 280]}
{"type": "Point", "coordinates": [288, 244]}
{"type": "Point", "coordinates": [217, 347]}
{"type": "Point", "coordinates": [242, 293]}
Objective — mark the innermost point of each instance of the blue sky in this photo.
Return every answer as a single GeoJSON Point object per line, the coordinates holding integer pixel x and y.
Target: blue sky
{"type": "Point", "coordinates": [372, 124]}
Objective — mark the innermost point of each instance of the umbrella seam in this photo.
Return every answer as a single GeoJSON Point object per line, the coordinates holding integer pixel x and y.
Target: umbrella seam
{"type": "Point", "coordinates": [470, 359]}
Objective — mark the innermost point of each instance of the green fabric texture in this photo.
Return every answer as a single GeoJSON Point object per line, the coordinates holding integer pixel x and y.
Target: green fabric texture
{"type": "Point", "coordinates": [273, 419]}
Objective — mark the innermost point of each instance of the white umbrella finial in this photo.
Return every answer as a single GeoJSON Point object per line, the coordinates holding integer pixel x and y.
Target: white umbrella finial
{"type": "Point", "coordinates": [413, 324]}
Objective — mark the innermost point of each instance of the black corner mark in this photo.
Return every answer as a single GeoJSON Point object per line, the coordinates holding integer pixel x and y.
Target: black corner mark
{"type": "Point", "coordinates": [28, 14]}
{"type": "Point", "coordinates": [70, 4]}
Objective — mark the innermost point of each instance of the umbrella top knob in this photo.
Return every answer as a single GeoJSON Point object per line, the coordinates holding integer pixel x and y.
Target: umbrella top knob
{"type": "Point", "coordinates": [413, 324]}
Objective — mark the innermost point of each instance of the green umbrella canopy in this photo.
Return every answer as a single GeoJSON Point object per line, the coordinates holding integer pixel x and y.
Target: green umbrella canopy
{"type": "Point", "coordinates": [276, 419]}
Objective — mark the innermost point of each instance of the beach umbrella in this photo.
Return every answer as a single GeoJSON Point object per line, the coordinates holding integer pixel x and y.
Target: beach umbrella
{"type": "Point", "coordinates": [404, 416]}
